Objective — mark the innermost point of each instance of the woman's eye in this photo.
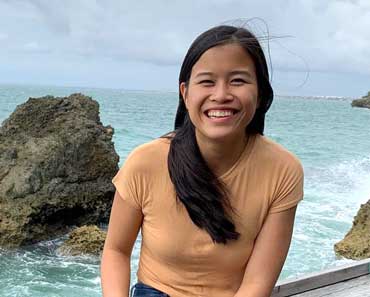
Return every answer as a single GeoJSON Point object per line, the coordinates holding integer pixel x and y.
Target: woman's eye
{"type": "Point", "coordinates": [238, 81]}
{"type": "Point", "coordinates": [206, 82]}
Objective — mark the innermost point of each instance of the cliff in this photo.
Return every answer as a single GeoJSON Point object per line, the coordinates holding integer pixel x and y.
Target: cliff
{"type": "Point", "coordinates": [356, 244]}
{"type": "Point", "coordinates": [363, 102]}
{"type": "Point", "coordinates": [56, 165]}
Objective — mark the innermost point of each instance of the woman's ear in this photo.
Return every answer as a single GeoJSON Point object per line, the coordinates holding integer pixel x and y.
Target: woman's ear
{"type": "Point", "coordinates": [183, 91]}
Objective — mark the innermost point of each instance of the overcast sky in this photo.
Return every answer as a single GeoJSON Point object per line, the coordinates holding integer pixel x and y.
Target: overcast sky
{"type": "Point", "coordinates": [323, 49]}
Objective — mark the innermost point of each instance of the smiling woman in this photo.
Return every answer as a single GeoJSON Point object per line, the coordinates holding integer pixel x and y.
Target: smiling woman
{"type": "Point", "coordinates": [215, 199]}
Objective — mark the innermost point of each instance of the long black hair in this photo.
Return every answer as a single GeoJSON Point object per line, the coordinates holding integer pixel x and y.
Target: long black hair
{"type": "Point", "coordinates": [204, 196]}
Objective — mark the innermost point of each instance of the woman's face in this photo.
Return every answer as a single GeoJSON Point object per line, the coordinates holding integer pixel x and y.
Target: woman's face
{"type": "Point", "coordinates": [222, 94]}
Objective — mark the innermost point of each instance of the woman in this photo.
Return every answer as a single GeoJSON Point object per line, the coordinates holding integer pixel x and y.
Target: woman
{"type": "Point", "coordinates": [215, 199]}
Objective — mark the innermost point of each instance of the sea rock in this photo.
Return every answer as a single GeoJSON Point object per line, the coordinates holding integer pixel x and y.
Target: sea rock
{"type": "Point", "coordinates": [363, 102]}
{"type": "Point", "coordinates": [356, 244]}
{"type": "Point", "coordinates": [84, 240]}
{"type": "Point", "coordinates": [56, 165]}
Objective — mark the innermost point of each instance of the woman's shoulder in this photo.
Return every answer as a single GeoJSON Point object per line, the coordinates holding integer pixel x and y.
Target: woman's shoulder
{"type": "Point", "coordinates": [272, 151]}
{"type": "Point", "coordinates": [155, 146]}
{"type": "Point", "coordinates": [149, 155]}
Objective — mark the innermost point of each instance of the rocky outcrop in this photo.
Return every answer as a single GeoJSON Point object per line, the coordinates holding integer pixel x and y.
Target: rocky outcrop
{"type": "Point", "coordinates": [363, 102]}
{"type": "Point", "coordinates": [356, 244]}
{"type": "Point", "coordinates": [84, 240]}
{"type": "Point", "coordinates": [56, 165]}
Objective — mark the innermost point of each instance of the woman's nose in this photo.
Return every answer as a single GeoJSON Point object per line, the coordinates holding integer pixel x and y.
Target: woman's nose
{"type": "Point", "coordinates": [221, 93]}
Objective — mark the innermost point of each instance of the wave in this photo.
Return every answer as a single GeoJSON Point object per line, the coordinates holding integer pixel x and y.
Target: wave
{"type": "Point", "coordinates": [334, 98]}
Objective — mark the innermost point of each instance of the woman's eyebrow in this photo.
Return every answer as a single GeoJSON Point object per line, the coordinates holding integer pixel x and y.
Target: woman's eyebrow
{"type": "Point", "coordinates": [204, 73]}
{"type": "Point", "coordinates": [241, 72]}
{"type": "Point", "coordinates": [235, 72]}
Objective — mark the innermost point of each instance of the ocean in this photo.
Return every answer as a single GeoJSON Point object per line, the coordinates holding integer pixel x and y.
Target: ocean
{"type": "Point", "coordinates": [329, 136]}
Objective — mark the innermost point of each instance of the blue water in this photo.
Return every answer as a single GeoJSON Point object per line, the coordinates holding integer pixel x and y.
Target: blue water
{"type": "Point", "coordinates": [329, 136]}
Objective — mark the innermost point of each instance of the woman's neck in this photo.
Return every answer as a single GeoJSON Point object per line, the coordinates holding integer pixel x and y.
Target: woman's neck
{"type": "Point", "coordinates": [221, 155]}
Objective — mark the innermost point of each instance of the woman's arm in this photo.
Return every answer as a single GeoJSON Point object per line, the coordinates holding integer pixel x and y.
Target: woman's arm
{"type": "Point", "coordinates": [268, 255]}
{"type": "Point", "coordinates": [124, 225]}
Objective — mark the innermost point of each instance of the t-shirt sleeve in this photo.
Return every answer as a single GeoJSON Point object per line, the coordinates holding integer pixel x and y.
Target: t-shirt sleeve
{"type": "Point", "coordinates": [290, 187]}
{"type": "Point", "coordinates": [127, 181]}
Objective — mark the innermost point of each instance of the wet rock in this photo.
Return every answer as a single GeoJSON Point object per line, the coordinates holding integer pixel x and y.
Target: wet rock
{"type": "Point", "coordinates": [363, 102]}
{"type": "Point", "coordinates": [84, 240]}
{"type": "Point", "coordinates": [56, 165]}
{"type": "Point", "coordinates": [356, 244]}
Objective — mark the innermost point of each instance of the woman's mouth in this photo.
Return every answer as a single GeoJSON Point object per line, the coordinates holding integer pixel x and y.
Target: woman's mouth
{"type": "Point", "coordinates": [220, 113]}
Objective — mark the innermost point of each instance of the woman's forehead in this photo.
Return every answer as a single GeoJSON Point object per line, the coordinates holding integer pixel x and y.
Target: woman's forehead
{"type": "Point", "coordinates": [228, 57]}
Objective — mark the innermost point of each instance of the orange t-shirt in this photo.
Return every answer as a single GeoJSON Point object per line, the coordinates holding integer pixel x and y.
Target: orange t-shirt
{"type": "Point", "coordinates": [176, 256]}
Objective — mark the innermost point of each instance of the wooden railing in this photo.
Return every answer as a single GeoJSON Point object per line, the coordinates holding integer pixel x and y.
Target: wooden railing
{"type": "Point", "coordinates": [323, 278]}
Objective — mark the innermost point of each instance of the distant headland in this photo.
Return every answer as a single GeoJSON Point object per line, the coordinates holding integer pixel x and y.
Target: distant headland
{"type": "Point", "coordinates": [362, 102]}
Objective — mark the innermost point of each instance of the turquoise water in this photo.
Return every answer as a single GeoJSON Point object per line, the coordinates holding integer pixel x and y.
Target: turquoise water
{"type": "Point", "coordinates": [329, 136]}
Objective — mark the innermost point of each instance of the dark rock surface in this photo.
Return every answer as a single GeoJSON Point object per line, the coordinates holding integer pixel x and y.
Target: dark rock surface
{"type": "Point", "coordinates": [84, 240]}
{"type": "Point", "coordinates": [56, 165]}
{"type": "Point", "coordinates": [356, 244]}
{"type": "Point", "coordinates": [363, 102]}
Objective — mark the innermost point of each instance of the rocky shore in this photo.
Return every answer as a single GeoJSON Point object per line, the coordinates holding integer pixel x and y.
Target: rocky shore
{"type": "Point", "coordinates": [362, 102]}
{"type": "Point", "coordinates": [356, 244]}
{"type": "Point", "coordinates": [56, 165]}
{"type": "Point", "coordinates": [84, 240]}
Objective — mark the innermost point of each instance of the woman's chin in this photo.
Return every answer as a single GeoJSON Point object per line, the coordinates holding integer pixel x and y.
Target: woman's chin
{"type": "Point", "coordinates": [219, 136]}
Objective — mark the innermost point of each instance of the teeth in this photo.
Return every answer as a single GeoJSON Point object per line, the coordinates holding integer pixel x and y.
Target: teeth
{"type": "Point", "coordinates": [220, 113]}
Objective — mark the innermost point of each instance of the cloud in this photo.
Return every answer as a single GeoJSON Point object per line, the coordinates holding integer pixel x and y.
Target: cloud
{"type": "Point", "coordinates": [34, 47]}
{"type": "Point", "coordinates": [55, 14]}
{"type": "Point", "coordinates": [324, 36]}
{"type": "Point", "coordinates": [3, 36]}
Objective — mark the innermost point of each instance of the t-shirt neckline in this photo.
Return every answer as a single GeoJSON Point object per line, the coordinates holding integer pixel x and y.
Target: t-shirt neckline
{"type": "Point", "coordinates": [245, 154]}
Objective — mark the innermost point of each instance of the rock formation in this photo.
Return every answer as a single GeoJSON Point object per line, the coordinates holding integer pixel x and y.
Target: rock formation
{"type": "Point", "coordinates": [56, 165]}
{"type": "Point", "coordinates": [363, 102]}
{"type": "Point", "coordinates": [84, 240]}
{"type": "Point", "coordinates": [356, 244]}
